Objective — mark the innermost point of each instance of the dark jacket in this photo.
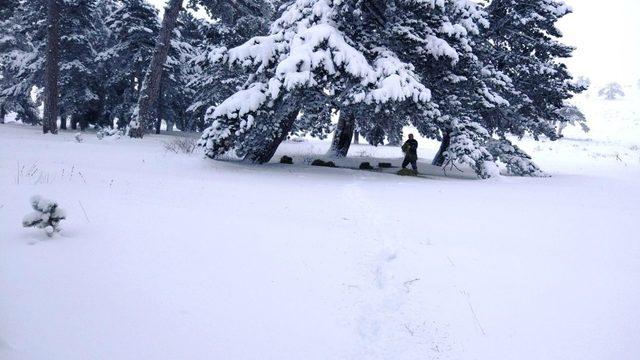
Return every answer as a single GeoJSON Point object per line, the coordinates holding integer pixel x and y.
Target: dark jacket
{"type": "Point", "coordinates": [410, 149]}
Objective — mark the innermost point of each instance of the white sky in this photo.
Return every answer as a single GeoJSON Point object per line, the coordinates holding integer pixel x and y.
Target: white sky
{"type": "Point", "coordinates": [607, 35]}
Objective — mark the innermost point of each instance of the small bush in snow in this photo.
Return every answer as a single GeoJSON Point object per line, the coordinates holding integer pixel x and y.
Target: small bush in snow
{"type": "Point", "coordinates": [46, 215]}
{"type": "Point", "coordinates": [181, 145]}
{"type": "Point", "coordinates": [78, 137]}
{"type": "Point", "coordinates": [109, 132]}
{"type": "Point", "coordinates": [611, 91]}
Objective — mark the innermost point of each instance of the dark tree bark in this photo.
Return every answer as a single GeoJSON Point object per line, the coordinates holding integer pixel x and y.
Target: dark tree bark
{"type": "Point", "coordinates": [439, 159]}
{"type": "Point", "coordinates": [356, 137]}
{"type": "Point", "coordinates": [85, 120]}
{"type": "Point", "coordinates": [106, 119]}
{"type": "Point", "coordinates": [343, 134]}
{"type": "Point", "coordinates": [74, 121]}
{"type": "Point", "coordinates": [265, 154]}
{"type": "Point", "coordinates": [3, 112]}
{"type": "Point", "coordinates": [151, 85]}
{"type": "Point", "coordinates": [159, 112]}
{"type": "Point", "coordinates": [63, 120]}
{"type": "Point", "coordinates": [52, 69]}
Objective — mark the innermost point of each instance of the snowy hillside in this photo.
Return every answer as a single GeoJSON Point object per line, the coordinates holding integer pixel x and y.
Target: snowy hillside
{"type": "Point", "coordinates": [171, 256]}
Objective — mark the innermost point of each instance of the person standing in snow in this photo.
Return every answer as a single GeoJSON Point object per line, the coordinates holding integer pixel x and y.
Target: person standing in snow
{"type": "Point", "coordinates": [410, 150]}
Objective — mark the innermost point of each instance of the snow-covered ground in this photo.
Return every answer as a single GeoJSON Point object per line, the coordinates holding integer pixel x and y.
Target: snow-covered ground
{"type": "Point", "coordinates": [170, 256]}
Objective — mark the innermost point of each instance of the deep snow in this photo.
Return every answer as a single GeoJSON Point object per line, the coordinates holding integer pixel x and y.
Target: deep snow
{"type": "Point", "coordinates": [171, 256]}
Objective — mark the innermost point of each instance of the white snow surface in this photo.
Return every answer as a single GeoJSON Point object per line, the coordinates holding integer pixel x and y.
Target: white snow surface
{"type": "Point", "coordinates": [171, 256]}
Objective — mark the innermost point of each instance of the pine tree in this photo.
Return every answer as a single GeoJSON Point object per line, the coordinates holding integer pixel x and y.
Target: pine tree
{"type": "Point", "coordinates": [150, 90]}
{"type": "Point", "coordinates": [611, 91]}
{"type": "Point", "coordinates": [308, 54]}
{"type": "Point", "coordinates": [445, 41]}
{"type": "Point", "coordinates": [134, 26]}
{"type": "Point", "coordinates": [79, 78]}
{"type": "Point", "coordinates": [527, 49]}
{"type": "Point", "coordinates": [22, 43]}
{"type": "Point", "coordinates": [176, 90]}
{"type": "Point", "coordinates": [213, 82]}
{"type": "Point", "coordinates": [52, 69]}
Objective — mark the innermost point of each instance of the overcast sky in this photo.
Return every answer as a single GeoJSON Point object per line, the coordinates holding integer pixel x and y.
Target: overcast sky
{"type": "Point", "coordinates": [607, 35]}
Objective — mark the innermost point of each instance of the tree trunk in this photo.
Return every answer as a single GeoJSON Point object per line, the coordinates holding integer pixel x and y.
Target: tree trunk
{"type": "Point", "coordinates": [52, 69]}
{"type": "Point", "coordinates": [63, 119]}
{"type": "Point", "coordinates": [356, 137]}
{"type": "Point", "coordinates": [439, 159]}
{"type": "Point", "coordinates": [151, 85]}
{"type": "Point", "coordinates": [74, 121]}
{"type": "Point", "coordinates": [343, 134]}
{"type": "Point", "coordinates": [84, 121]}
{"type": "Point", "coordinates": [106, 120]}
{"type": "Point", "coordinates": [159, 109]}
{"type": "Point", "coordinates": [265, 154]}
{"type": "Point", "coordinates": [3, 112]}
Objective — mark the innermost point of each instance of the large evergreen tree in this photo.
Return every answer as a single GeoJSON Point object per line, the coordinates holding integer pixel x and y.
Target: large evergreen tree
{"type": "Point", "coordinates": [22, 44]}
{"type": "Point", "coordinates": [150, 91]}
{"type": "Point", "coordinates": [134, 27]}
{"type": "Point", "coordinates": [80, 79]}
{"type": "Point", "coordinates": [527, 47]}
{"type": "Point", "coordinates": [177, 92]}
{"type": "Point", "coordinates": [307, 55]}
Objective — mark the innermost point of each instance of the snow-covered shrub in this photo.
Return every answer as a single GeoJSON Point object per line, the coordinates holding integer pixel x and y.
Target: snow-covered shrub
{"type": "Point", "coordinates": [183, 145]}
{"type": "Point", "coordinates": [78, 137]}
{"type": "Point", "coordinates": [109, 132]}
{"type": "Point", "coordinates": [46, 215]}
{"type": "Point", "coordinates": [611, 91]}
{"type": "Point", "coordinates": [583, 82]}
{"type": "Point", "coordinates": [517, 161]}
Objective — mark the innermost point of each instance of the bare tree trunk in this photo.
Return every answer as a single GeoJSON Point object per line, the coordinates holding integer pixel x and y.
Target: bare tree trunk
{"type": "Point", "coordinates": [343, 134]}
{"type": "Point", "coordinates": [63, 119]}
{"type": "Point", "coordinates": [159, 107]}
{"type": "Point", "coordinates": [265, 154]}
{"type": "Point", "coordinates": [3, 112]}
{"type": "Point", "coordinates": [52, 69]}
{"type": "Point", "coordinates": [356, 137]}
{"type": "Point", "coordinates": [151, 85]}
{"type": "Point", "coordinates": [74, 121]}
{"type": "Point", "coordinates": [439, 159]}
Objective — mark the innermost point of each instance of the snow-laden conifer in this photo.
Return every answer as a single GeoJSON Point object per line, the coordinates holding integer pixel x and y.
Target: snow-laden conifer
{"type": "Point", "coordinates": [46, 215]}
{"type": "Point", "coordinates": [611, 91]}
{"type": "Point", "coordinates": [526, 47]}
{"type": "Point", "coordinates": [307, 52]}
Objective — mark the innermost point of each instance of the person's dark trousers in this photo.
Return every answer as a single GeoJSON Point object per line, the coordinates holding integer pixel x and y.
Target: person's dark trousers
{"type": "Point", "coordinates": [407, 161]}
